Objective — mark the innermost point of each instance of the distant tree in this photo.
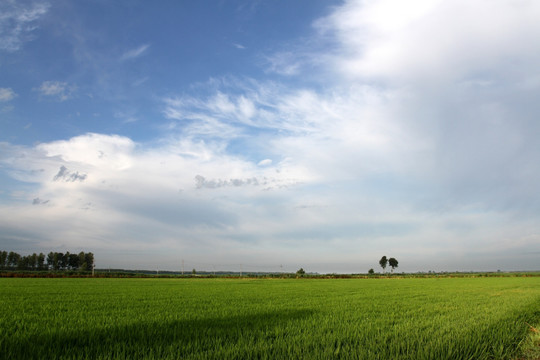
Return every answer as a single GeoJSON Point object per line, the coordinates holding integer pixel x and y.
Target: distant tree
{"type": "Point", "coordinates": [383, 262]}
{"type": "Point", "coordinates": [393, 263]}
{"type": "Point", "coordinates": [13, 259]}
{"type": "Point", "coordinates": [67, 257]}
{"type": "Point", "coordinates": [73, 261]}
{"type": "Point", "coordinates": [300, 272]}
{"type": "Point", "coordinates": [61, 261]}
{"type": "Point", "coordinates": [89, 261]}
{"type": "Point", "coordinates": [82, 261]}
{"type": "Point", "coordinates": [41, 261]}
{"type": "Point", "coordinates": [3, 259]}
{"type": "Point", "coordinates": [24, 263]}
{"type": "Point", "coordinates": [50, 260]}
{"type": "Point", "coordinates": [54, 260]}
{"type": "Point", "coordinates": [32, 262]}
{"type": "Point", "coordinates": [371, 272]}
{"type": "Point", "coordinates": [194, 272]}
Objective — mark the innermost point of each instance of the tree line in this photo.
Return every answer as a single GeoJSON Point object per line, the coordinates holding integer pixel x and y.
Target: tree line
{"type": "Point", "coordinates": [53, 261]}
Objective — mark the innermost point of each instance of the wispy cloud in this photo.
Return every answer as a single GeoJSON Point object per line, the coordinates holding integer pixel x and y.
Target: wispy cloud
{"type": "Point", "coordinates": [127, 117]}
{"type": "Point", "coordinates": [284, 63]}
{"type": "Point", "coordinates": [239, 46]}
{"type": "Point", "coordinates": [244, 105]}
{"type": "Point", "coordinates": [140, 81]}
{"type": "Point", "coordinates": [57, 89]}
{"type": "Point", "coordinates": [7, 94]}
{"type": "Point", "coordinates": [18, 22]}
{"type": "Point", "coordinates": [135, 53]}
{"type": "Point", "coordinates": [265, 162]}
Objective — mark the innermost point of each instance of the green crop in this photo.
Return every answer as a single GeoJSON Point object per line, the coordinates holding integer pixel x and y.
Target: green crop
{"type": "Point", "coordinates": [467, 318]}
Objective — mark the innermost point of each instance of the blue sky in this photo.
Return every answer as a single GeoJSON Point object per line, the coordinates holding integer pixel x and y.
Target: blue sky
{"type": "Point", "coordinates": [272, 135]}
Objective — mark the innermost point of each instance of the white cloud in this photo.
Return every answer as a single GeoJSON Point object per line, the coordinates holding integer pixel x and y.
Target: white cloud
{"type": "Point", "coordinates": [133, 193]}
{"type": "Point", "coordinates": [107, 152]}
{"type": "Point", "coordinates": [270, 107]}
{"type": "Point", "coordinates": [57, 89]}
{"type": "Point", "coordinates": [18, 22]}
{"type": "Point", "coordinates": [423, 39]}
{"type": "Point", "coordinates": [7, 94]}
{"type": "Point", "coordinates": [135, 53]}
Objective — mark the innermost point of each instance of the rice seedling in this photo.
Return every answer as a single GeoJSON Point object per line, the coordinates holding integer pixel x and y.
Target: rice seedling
{"type": "Point", "coordinates": [482, 318]}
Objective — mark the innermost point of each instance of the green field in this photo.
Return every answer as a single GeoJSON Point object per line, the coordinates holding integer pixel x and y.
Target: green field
{"type": "Point", "coordinates": [448, 318]}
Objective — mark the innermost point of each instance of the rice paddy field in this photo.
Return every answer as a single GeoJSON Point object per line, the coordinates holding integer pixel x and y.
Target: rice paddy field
{"type": "Point", "coordinates": [430, 318]}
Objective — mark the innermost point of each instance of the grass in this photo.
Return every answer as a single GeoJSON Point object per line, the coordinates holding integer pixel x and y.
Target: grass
{"type": "Point", "coordinates": [449, 318]}
{"type": "Point", "coordinates": [530, 348]}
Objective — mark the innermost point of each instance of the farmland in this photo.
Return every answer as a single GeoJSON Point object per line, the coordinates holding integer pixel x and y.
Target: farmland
{"type": "Point", "coordinates": [447, 318]}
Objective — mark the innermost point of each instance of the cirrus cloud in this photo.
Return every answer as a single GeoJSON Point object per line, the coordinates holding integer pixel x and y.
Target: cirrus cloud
{"type": "Point", "coordinates": [135, 53]}
{"type": "Point", "coordinates": [18, 22]}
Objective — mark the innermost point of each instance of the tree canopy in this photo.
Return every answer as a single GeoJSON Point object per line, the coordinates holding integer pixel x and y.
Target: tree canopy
{"type": "Point", "coordinates": [383, 262]}
{"type": "Point", "coordinates": [393, 263]}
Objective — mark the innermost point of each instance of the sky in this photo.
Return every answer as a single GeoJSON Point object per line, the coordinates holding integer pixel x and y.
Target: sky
{"type": "Point", "coordinates": [271, 135]}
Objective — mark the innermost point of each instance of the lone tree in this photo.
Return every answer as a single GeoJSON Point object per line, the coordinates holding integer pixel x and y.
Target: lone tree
{"type": "Point", "coordinates": [300, 272]}
{"type": "Point", "coordinates": [371, 272]}
{"type": "Point", "coordinates": [383, 262]}
{"type": "Point", "coordinates": [393, 263]}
